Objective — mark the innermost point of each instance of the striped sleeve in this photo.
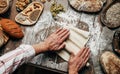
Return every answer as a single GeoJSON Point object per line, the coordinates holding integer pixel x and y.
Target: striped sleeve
{"type": "Point", "coordinates": [11, 60]}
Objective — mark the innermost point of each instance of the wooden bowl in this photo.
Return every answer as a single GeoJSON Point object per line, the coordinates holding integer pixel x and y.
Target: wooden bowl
{"type": "Point", "coordinates": [103, 18]}
{"type": "Point", "coordinates": [5, 8]}
{"type": "Point", "coordinates": [116, 41]}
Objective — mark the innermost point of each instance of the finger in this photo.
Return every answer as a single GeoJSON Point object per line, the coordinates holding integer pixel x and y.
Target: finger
{"type": "Point", "coordinates": [61, 46]}
{"type": "Point", "coordinates": [76, 62]}
{"type": "Point", "coordinates": [85, 51]}
{"type": "Point", "coordinates": [85, 59]}
{"type": "Point", "coordinates": [80, 64]}
{"type": "Point", "coordinates": [63, 34]}
{"type": "Point", "coordinates": [61, 31]}
{"type": "Point", "coordinates": [83, 64]}
{"type": "Point", "coordinates": [87, 54]}
{"type": "Point", "coordinates": [58, 30]}
{"type": "Point", "coordinates": [80, 52]}
{"type": "Point", "coordinates": [65, 37]}
{"type": "Point", "coordinates": [54, 48]}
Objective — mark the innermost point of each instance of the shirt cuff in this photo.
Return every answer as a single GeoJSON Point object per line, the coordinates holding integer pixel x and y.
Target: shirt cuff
{"type": "Point", "coordinates": [28, 50]}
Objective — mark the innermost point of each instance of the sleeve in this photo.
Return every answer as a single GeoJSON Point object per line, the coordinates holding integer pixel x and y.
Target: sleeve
{"type": "Point", "coordinates": [11, 60]}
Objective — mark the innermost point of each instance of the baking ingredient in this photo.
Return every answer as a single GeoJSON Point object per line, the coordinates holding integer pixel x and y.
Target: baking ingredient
{"type": "Point", "coordinates": [34, 15]}
{"type": "Point", "coordinates": [56, 9]}
{"type": "Point", "coordinates": [113, 15]}
{"type": "Point", "coordinates": [30, 15]}
{"type": "Point", "coordinates": [83, 33]}
{"type": "Point", "coordinates": [110, 63]}
{"type": "Point", "coordinates": [71, 47]}
{"type": "Point", "coordinates": [87, 5]}
{"type": "Point", "coordinates": [74, 43]}
{"type": "Point", "coordinates": [22, 4]}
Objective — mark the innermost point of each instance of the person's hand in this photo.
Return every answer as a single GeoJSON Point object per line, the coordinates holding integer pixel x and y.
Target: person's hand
{"type": "Point", "coordinates": [56, 40]}
{"type": "Point", "coordinates": [76, 62]}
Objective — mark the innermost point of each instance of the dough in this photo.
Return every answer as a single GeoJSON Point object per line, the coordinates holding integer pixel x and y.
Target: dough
{"type": "Point", "coordinates": [77, 40]}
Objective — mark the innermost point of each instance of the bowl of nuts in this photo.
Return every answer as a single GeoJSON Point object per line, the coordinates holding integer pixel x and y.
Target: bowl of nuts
{"type": "Point", "coordinates": [4, 5]}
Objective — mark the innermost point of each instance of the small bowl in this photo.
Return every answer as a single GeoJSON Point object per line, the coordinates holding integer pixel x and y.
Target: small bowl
{"type": "Point", "coordinates": [6, 8]}
{"type": "Point", "coordinates": [103, 19]}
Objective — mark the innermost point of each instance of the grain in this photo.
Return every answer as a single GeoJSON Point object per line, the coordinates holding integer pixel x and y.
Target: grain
{"type": "Point", "coordinates": [113, 15]}
{"type": "Point", "coordinates": [34, 15]}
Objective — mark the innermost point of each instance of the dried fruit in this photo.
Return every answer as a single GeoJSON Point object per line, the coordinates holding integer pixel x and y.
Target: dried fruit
{"type": "Point", "coordinates": [22, 4]}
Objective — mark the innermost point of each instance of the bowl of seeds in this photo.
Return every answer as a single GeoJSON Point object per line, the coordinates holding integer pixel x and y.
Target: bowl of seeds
{"type": "Point", "coordinates": [110, 15]}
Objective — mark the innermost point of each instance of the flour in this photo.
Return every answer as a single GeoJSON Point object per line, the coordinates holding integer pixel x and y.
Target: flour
{"type": "Point", "coordinates": [100, 38]}
{"type": "Point", "coordinates": [71, 18]}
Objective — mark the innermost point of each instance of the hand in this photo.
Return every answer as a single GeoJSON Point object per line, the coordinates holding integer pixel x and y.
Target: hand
{"type": "Point", "coordinates": [53, 42]}
{"type": "Point", "coordinates": [76, 62]}
{"type": "Point", "coordinates": [56, 40]}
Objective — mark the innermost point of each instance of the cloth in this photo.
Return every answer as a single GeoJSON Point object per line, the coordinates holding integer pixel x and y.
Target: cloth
{"type": "Point", "coordinates": [11, 60]}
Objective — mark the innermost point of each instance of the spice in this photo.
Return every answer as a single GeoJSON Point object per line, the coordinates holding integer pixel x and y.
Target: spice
{"type": "Point", "coordinates": [56, 9]}
{"type": "Point", "coordinates": [113, 15]}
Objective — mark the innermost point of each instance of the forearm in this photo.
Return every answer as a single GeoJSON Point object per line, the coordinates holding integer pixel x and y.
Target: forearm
{"type": "Point", "coordinates": [11, 60]}
{"type": "Point", "coordinates": [40, 47]}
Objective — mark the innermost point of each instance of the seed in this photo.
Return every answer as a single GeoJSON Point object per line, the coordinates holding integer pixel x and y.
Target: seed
{"type": "Point", "coordinates": [34, 15]}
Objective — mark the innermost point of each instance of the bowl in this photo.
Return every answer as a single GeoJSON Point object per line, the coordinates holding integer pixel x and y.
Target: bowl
{"type": "Point", "coordinates": [4, 5]}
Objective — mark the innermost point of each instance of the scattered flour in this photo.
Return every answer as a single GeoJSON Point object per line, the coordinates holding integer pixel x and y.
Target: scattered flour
{"type": "Point", "coordinates": [100, 38]}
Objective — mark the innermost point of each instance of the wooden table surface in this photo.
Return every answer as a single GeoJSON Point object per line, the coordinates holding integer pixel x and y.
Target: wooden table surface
{"type": "Point", "coordinates": [101, 38]}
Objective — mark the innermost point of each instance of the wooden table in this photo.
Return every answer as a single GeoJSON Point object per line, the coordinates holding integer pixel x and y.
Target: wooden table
{"type": "Point", "coordinates": [101, 38]}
